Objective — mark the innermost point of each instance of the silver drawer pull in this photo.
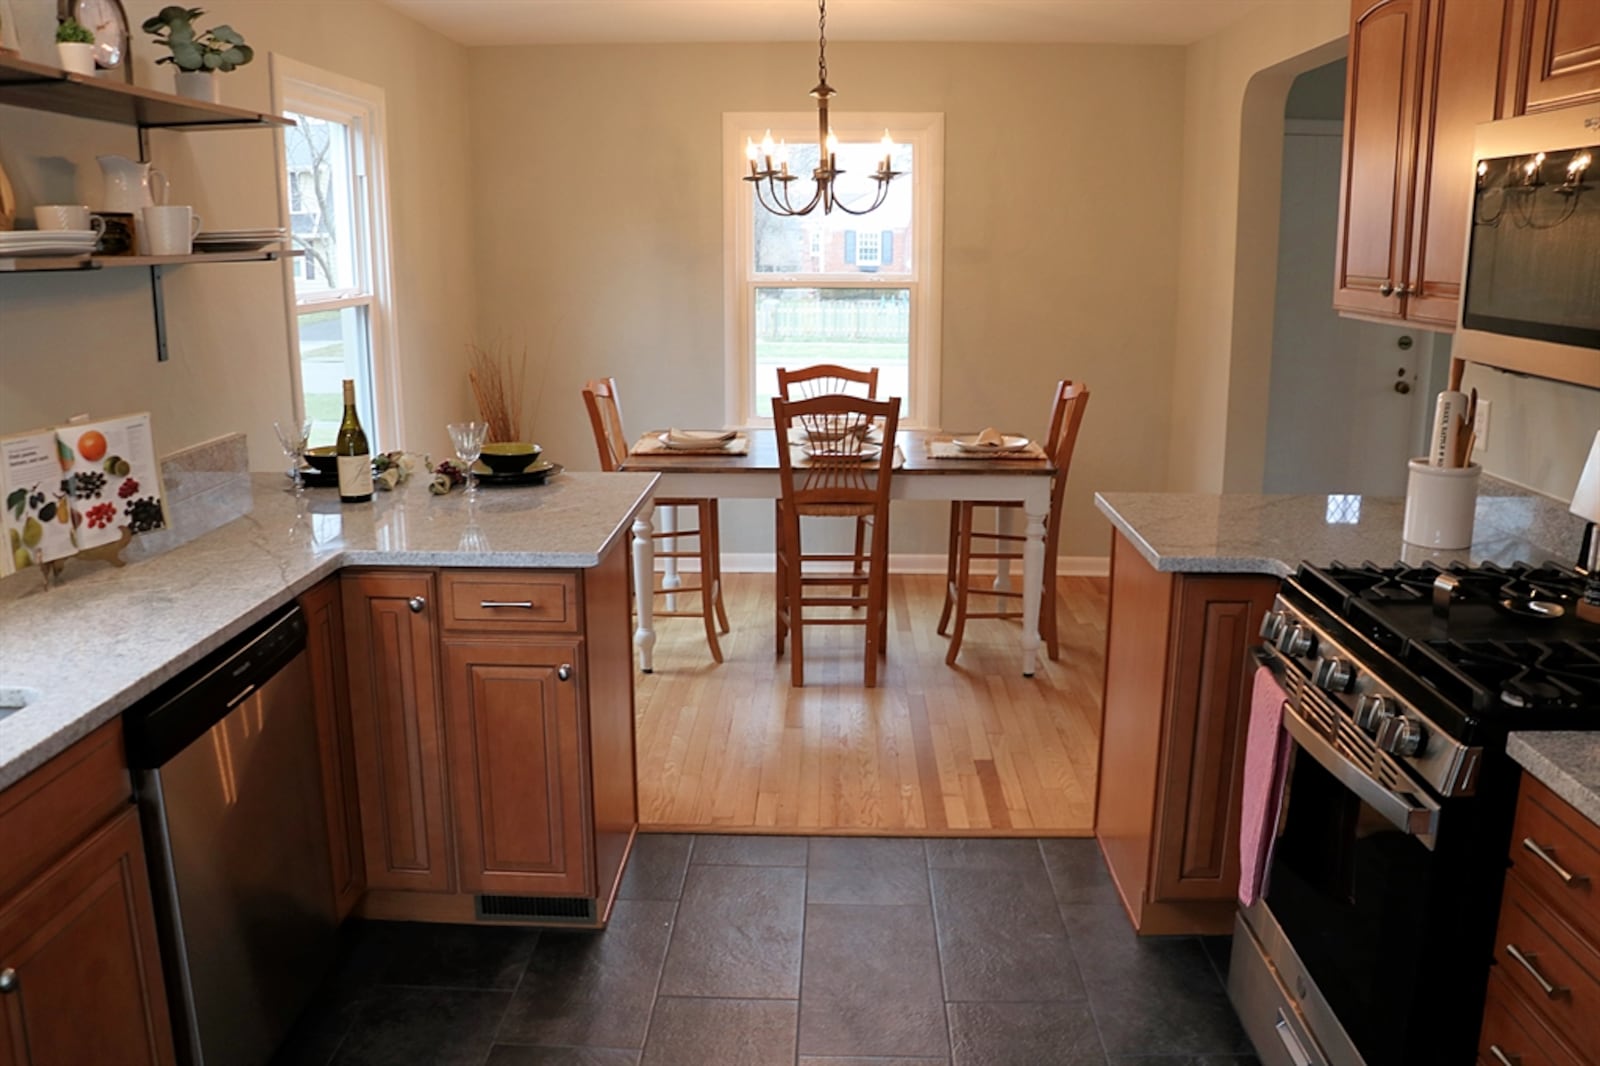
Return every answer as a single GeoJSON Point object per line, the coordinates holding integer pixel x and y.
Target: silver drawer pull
{"type": "Point", "coordinates": [417, 603]}
{"type": "Point", "coordinates": [1502, 1058]}
{"type": "Point", "coordinates": [564, 671]}
{"type": "Point", "coordinates": [8, 980]}
{"type": "Point", "coordinates": [1291, 1042]}
{"type": "Point", "coordinates": [526, 605]}
{"type": "Point", "coordinates": [1550, 990]}
{"type": "Point", "coordinates": [1545, 856]}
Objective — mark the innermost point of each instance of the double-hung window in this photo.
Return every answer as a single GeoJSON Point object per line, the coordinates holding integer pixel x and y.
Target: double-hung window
{"type": "Point", "coordinates": [860, 291]}
{"type": "Point", "coordinates": [334, 196]}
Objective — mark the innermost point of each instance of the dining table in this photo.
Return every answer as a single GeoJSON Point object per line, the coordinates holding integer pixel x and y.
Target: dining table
{"type": "Point", "coordinates": [754, 473]}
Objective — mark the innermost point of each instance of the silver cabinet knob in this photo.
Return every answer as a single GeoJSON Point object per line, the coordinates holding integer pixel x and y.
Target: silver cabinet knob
{"type": "Point", "coordinates": [1404, 290]}
{"type": "Point", "coordinates": [564, 671]}
{"type": "Point", "coordinates": [416, 603]}
{"type": "Point", "coordinates": [8, 980]}
{"type": "Point", "coordinates": [1386, 289]}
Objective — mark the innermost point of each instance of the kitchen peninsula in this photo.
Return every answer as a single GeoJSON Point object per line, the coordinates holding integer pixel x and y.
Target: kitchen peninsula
{"type": "Point", "coordinates": [1192, 577]}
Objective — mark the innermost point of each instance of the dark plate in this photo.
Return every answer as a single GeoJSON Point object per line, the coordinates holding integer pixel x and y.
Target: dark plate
{"type": "Point", "coordinates": [536, 474]}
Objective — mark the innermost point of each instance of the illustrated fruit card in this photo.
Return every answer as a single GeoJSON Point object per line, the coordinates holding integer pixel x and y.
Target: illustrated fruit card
{"type": "Point", "coordinates": [78, 486]}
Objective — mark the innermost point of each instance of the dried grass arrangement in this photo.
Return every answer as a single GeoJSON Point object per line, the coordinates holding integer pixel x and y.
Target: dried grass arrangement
{"type": "Point", "coordinates": [497, 379]}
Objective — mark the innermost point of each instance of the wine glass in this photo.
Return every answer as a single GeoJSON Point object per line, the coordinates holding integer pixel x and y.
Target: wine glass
{"type": "Point", "coordinates": [468, 438]}
{"type": "Point", "coordinates": [292, 437]}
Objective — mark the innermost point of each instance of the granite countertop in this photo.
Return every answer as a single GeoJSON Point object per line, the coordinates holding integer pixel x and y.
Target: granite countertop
{"type": "Point", "coordinates": [1569, 763]}
{"type": "Point", "coordinates": [90, 647]}
{"type": "Point", "coordinates": [1257, 534]}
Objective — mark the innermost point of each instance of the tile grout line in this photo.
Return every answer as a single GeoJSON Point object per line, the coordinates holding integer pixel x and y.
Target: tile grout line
{"type": "Point", "coordinates": [666, 953]}
{"type": "Point", "coordinates": [1072, 953]}
{"type": "Point", "coordinates": [938, 955]}
{"type": "Point", "coordinates": [800, 978]}
{"type": "Point", "coordinates": [527, 965]}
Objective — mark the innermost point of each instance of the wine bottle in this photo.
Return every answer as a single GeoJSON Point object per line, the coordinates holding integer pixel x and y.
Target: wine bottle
{"type": "Point", "coordinates": [355, 458]}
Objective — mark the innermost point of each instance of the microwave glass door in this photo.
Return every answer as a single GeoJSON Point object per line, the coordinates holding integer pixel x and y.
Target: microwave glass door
{"type": "Point", "coordinates": [1533, 265]}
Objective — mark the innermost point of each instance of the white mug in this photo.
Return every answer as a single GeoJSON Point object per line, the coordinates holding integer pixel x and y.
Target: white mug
{"type": "Point", "coordinates": [169, 230]}
{"type": "Point", "coordinates": [67, 217]}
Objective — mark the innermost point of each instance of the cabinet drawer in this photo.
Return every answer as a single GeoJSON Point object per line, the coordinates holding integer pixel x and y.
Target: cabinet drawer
{"type": "Point", "coordinates": [511, 602]}
{"type": "Point", "coordinates": [1556, 852]}
{"type": "Point", "coordinates": [1550, 963]}
{"type": "Point", "coordinates": [1512, 1031]}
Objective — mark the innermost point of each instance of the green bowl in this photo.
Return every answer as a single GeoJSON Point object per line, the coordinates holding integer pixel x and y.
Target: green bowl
{"type": "Point", "coordinates": [509, 457]}
{"type": "Point", "coordinates": [323, 459]}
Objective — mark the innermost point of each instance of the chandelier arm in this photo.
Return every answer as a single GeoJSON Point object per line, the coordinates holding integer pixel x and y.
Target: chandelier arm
{"type": "Point", "coordinates": [772, 208]}
{"type": "Point", "coordinates": [883, 194]}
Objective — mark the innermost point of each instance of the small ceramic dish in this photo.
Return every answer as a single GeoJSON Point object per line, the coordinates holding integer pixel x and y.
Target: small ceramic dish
{"type": "Point", "coordinates": [323, 460]}
{"type": "Point", "coordinates": [509, 457]}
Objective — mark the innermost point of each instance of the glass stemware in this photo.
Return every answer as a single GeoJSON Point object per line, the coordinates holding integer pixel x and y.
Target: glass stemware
{"type": "Point", "coordinates": [293, 437]}
{"type": "Point", "coordinates": [468, 438]}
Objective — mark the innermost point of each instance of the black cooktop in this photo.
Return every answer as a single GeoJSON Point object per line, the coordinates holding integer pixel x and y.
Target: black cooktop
{"type": "Point", "coordinates": [1491, 640]}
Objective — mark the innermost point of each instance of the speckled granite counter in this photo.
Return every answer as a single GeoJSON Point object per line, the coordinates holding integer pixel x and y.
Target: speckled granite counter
{"type": "Point", "coordinates": [1255, 534]}
{"type": "Point", "coordinates": [90, 647]}
{"type": "Point", "coordinates": [1569, 763]}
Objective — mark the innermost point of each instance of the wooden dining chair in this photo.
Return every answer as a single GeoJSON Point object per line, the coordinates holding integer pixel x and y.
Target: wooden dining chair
{"type": "Point", "coordinates": [830, 379]}
{"type": "Point", "coordinates": [1066, 414]}
{"type": "Point", "coordinates": [612, 442]}
{"type": "Point", "coordinates": [836, 476]}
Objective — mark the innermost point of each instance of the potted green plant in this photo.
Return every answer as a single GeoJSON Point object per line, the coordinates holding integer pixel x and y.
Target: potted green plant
{"type": "Point", "coordinates": [198, 55]}
{"type": "Point", "coordinates": [75, 46]}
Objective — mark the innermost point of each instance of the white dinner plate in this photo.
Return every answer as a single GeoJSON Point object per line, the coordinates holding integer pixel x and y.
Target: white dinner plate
{"type": "Point", "coordinates": [867, 453]}
{"type": "Point", "coordinates": [697, 440]}
{"type": "Point", "coordinates": [1007, 444]}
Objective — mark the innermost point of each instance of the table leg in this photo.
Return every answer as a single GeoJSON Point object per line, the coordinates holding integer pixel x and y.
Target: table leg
{"type": "Point", "coordinates": [1002, 567]}
{"type": "Point", "coordinates": [1032, 582]}
{"type": "Point", "coordinates": [644, 565]}
{"type": "Point", "coordinates": [669, 544]}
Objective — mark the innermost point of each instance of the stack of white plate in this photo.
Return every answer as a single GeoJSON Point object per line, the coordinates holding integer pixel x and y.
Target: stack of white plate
{"type": "Point", "coordinates": [48, 242]}
{"type": "Point", "coordinates": [239, 240]}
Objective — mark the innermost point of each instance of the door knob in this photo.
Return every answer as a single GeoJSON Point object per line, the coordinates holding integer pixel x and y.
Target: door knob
{"type": "Point", "coordinates": [416, 603]}
{"type": "Point", "coordinates": [1402, 387]}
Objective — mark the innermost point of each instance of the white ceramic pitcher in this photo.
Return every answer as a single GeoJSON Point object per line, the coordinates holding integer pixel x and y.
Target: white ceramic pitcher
{"type": "Point", "coordinates": [130, 185]}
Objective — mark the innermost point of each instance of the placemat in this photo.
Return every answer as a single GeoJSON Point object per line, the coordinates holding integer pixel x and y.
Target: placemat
{"type": "Point", "coordinates": [650, 444]}
{"type": "Point", "coordinates": [946, 448]}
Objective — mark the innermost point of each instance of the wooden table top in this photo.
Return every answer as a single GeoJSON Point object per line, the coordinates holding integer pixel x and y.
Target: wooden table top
{"type": "Point", "coordinates": [763, 458]}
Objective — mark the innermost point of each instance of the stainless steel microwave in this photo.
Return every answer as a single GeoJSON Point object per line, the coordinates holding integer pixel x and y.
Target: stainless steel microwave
{"type": "Point", "coordinates": [1531, 296]}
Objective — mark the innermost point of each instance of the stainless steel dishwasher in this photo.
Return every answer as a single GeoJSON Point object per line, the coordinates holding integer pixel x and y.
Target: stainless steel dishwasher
{"type": "Point", "coordinates": [226, 772]}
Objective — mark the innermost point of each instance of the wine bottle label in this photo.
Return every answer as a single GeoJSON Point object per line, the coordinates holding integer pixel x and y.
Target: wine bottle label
{"type": "Point", "coordinates": [355, 475]}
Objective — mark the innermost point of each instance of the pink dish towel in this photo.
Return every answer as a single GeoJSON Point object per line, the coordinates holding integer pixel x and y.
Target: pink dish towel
{"type": "Point", "coordinates": [1266, 747]}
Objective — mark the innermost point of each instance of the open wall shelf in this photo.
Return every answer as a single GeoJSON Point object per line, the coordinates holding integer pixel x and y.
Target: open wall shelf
{"type": "Point", "coordinates": [39, 264]}
{"type": "Point", "coordinates": [24, 83]}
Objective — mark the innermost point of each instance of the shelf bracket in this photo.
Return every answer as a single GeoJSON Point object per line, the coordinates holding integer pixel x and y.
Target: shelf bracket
{"type": "Point", "coordinates": [158, 307]}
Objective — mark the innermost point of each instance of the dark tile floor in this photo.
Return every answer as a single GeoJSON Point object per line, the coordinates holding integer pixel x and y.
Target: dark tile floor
{"type": "Point", "coordinates": [821, 951]}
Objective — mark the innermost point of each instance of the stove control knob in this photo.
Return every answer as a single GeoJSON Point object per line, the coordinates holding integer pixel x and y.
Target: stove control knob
{"type": "Point", "coordinates": [1272, 625]}
{"type": "Point", "coordinates": [1371, 710]}
{"type": "Point", "coordinates": [1333, 675]}
{"type": "Point", "coordinates": [1297, 641]}
{"type": "Point", "coordinates": [1399, 735]}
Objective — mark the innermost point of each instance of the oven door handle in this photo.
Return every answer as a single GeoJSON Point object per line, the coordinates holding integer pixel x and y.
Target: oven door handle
{"type": "Point", "coordinates": [1420, 822]}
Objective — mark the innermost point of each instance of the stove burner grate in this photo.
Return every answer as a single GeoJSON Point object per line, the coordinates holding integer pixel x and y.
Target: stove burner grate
{"type": "Point", "coordinates": [1533, 674]}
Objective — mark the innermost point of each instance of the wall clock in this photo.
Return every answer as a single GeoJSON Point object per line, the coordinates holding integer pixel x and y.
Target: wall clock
{"type": "Point", "coordinates": [109, 23]}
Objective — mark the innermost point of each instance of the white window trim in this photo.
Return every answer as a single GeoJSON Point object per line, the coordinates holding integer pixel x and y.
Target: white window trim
{"type": "Point", "coordinates": [310, 90]}
{"type": "Point", "coordinates": [927, 131]}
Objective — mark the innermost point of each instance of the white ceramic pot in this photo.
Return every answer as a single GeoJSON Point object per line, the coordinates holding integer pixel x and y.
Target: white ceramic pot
{"type": "Point", "coordinates": [199, 85]}
{"type": "Point", "coordinates": [76, 58]}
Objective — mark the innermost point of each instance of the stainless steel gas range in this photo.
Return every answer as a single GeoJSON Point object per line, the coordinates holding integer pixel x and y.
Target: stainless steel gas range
{"type": "Point", "coordinates": [1372, 940]}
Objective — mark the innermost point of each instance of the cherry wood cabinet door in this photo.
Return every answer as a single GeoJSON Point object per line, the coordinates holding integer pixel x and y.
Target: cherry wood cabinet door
{"type": "Point", "coordinates": [1375, 204]}
{"type": "Point", "coordinates": [1196, 851]}
{"type": "Point", "coordinates": [1464, 72]}
{"type": "Point", "coordinates": [1560, 54]}
{"type": "Point", "coordinates": [517, 767]}
{"type": "Point", "coordinates": [391, 646]}
{"type": "Point", "coordinates": [78, 951]}
{"type": "Point", "coordinates": [330, 694]}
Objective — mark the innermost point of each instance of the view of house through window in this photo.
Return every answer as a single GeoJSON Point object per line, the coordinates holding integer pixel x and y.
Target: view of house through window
{"type": "Point", "coordinates": [835, 287]}
{"type": "Point", "coordinates": [332, 156]}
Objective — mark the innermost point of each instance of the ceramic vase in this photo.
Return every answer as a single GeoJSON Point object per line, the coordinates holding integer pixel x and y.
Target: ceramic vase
{"type": "Point", "coordinates": [198, 85]}
{"type": "Point", "coordinates": [76, 58]}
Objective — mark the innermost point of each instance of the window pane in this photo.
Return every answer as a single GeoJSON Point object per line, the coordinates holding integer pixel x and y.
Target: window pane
{"type": "Point", "coordinates": [323, 215]}
{"type": "Point", "coordinates": [838, 243]}
{"type": "Point", "coordinates": [859, 328]}
{"type": "Point", "coordinates": [333, 346]}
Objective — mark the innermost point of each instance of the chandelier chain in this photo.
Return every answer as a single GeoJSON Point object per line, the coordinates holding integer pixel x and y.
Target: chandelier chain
{"type": "Point", "coordinates": [822, 42]}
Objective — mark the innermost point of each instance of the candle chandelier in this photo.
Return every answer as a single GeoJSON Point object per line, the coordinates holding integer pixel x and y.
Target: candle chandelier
{"type": "Point", "coordinates": [769, 162]}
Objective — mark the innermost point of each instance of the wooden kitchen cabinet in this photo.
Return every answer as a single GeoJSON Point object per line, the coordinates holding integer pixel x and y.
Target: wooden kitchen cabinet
{"type": "Point", "coordinates": [330, 689]}
{"type": "Point", "coordinates": [79, 959]}
{"type": "Point", "coordinates": [1544, 994]}
{"type": "Point", "coordinates": [1177, 691]}
{"type": "Point", "coordinates": [1422, 75]}
{"type": "Point", "coordinates": [1555, 48]}
{"type": "Point", "coordinates": [397, 727]}
{"type": "Point", "coordinates": [493, 714]}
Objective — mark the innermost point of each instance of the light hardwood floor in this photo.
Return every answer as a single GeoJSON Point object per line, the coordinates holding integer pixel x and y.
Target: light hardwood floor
{"type": "Point", "coordinates": [978, 750]}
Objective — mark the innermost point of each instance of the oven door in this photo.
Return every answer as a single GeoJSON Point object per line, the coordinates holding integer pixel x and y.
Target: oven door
{"type": "Point", "coordinates": [1355, 882]}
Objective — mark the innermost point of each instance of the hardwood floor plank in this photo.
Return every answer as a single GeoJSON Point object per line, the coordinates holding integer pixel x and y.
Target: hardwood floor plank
{"type": "Point", "coordinates": [974, 750]}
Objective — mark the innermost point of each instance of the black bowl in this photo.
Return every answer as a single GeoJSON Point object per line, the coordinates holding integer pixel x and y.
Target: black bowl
{"type": "Point", "coordinates": [323, 459]}
{"type": "Point", "coordinates": [509, 457]}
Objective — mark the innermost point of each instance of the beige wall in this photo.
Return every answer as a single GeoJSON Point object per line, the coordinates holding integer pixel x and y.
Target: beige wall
{"type": "Point", "coordinates": [86, 343]}
{"type": "Point", "coordinates": [597, 229]}
{"type": "Point", "coordinates": [1235, 88]}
